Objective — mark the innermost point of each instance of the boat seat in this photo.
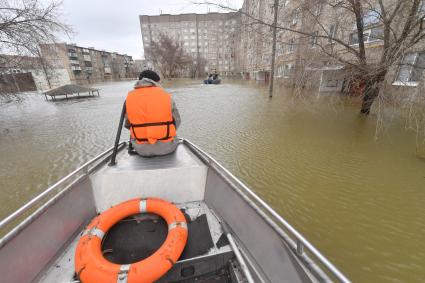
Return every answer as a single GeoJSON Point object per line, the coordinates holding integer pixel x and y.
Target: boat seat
{"type": "Point", "coordinates": [178, 177]}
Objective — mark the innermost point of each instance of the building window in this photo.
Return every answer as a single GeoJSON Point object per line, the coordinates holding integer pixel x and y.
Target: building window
{"type": "Point", "coordinates": [314, 38]}
{"type": "Point", "coordinates": [332, 83]}
{"type": "Point", "coordinates": [422, 9]}
{"type": "Point", "coordinates": [371, 18]}
{"type": "Point", "coordinates": [287, 70]}
{"type": "Point", "coordinates": [411, 68]}
{"type": "Point", "coordinates": [369, 35]}
{"type": "Point", "coordinates": [295, 16]}
{"type": "Point", "coordinates": [318, 8]}
{"type": "Point", "coordinates": [291, 45]}
{"type": "Point", "coordinates": [332, 32]}
{"type": "Point", "coordinates": [280, 49]}
{"type": "Point", "coordinates": [279, 71]}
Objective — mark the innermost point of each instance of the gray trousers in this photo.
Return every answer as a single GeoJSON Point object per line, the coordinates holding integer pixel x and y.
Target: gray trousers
{"type": "Point", "coordinates": [156, 149]}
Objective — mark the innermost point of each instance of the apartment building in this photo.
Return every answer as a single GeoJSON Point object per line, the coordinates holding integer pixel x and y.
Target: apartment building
{"type": "Point", "coordinates": [256, 39]}
{"type": "Point", "coordinates": [213, 37]}
{"type": "Point", "coordinates": [69, 63]}
{"type": "Point", "coordinates": [314, 34]}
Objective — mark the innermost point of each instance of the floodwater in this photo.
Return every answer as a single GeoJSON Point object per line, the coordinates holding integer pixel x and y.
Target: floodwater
{"type": "Point", "coordinates": [359, 200]}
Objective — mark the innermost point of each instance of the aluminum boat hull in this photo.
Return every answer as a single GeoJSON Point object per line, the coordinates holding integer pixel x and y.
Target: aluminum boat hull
{"type": "Point", "coordinates": [40, 237]}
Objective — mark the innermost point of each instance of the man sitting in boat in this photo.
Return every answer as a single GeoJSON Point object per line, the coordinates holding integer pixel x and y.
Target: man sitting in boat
{"type": "Point", "coordinates": [209, 79]}
{"type": "Point", "coordinates": [152, 117]}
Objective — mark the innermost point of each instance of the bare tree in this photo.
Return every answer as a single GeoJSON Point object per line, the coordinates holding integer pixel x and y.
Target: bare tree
{"type": "Point", "coordinates": [26, 23]}
{"type": "Point", "coordinates": [344, 31]}
{"type": "Point", "coordinates": [197, 68]}
{"type": "Point", "coordinates": [168, 56]}
{"type": "Point", "coordinates": [45, 65]}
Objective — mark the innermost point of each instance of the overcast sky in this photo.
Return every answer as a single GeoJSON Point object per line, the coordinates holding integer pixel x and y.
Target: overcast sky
{"type": "Point", "coordinates": [114, 25]}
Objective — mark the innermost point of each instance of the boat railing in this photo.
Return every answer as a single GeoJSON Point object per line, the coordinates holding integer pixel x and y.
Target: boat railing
{"type": "Point", "coordinates": [301, 247]}
{"type": "Point", "coordinates": [83, 170]}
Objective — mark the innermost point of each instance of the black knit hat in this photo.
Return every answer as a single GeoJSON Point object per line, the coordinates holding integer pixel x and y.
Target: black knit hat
{"type": "Point", "coordinates": [149, 75]}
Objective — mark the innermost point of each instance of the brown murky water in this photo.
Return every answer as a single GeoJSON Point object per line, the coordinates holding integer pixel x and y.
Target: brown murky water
{"type": "Point", "coordinates": [360, 201]}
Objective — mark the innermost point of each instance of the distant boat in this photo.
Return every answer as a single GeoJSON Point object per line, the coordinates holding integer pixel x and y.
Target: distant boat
{"type": "Point", "coordinates": [212, 82]}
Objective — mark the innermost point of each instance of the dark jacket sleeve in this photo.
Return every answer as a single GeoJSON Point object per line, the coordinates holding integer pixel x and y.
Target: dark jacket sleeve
{"type": "Point", "coordinates": [176, 115]}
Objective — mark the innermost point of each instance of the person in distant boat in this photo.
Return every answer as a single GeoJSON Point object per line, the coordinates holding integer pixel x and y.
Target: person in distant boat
{"type": "Point", "coordinates": [152, 117]}
{"type": "Point", "coordinates": [215, 76]}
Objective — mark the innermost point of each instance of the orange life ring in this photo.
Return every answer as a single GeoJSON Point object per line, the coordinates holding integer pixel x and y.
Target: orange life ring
{"type": "Point", "coordinates": [92, 267]}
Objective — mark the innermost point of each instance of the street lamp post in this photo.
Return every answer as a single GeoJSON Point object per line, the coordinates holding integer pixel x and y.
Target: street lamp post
{"type": "Point", "coordinates": [276, 10]}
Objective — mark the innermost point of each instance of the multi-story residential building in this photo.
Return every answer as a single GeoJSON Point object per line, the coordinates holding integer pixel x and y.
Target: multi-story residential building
{"type": "Point", "coordinates": [213, 37]}
{"type": "Point", "coordinates": [256, 39]}
{"type": "Point", "coordinates": [317, 41]}
{"type": "Point", "coordinates": [69, 63]}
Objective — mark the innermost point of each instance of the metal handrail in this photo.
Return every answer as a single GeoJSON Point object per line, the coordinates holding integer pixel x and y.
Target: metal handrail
{"type": "Point", "coordinates": [300, 240]}
{"type": "Point", "coordinates": [33, 201]}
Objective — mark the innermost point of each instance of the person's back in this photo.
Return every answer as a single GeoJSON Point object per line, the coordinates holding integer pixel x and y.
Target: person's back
{"type": "Point", "coordinates": [152, 117]}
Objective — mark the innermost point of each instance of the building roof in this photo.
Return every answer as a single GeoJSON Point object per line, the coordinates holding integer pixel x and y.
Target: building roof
{"type": "Point", "coordinates": [67, 45]}
{"type": "Point", "coordinates": [69, 89]}
{"type": "Point", "coordinates": [187, 17]}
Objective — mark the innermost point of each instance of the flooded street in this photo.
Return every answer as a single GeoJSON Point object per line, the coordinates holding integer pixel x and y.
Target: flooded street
{"type": "Point", "coordinates": [359, 200]}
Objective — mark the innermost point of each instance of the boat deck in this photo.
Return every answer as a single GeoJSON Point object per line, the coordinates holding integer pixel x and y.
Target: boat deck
{"type": "Point", "coordinates": [179, 178]}
{"type": "Point", "coordinates": [62, 270]}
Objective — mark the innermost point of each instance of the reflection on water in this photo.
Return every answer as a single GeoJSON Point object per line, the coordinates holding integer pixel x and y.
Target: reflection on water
{"type": "Point", "coordinates": [316, 161]}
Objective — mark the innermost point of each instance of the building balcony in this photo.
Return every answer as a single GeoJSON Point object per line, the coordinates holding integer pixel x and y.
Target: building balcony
{"type": "Point", "coordinates": [72, 55]}
{"type": "Point", "coordinates": [86, 51]}
{"type": "Point", "coordinates": [87, 58]}
{"type": "Point", "coordinates": [107, 70]}
{"type": "Point", "coordinates": [74, 62]}
{"type": "Point", "coordinates": [76, 68]}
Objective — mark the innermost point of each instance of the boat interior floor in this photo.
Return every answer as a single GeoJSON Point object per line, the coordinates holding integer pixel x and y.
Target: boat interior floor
{"type": "Point", "coordinates": [207, 256]}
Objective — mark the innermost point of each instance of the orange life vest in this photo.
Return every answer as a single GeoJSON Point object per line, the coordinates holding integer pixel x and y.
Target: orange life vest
{"type": "Point", "coordinates": [149, 112]}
